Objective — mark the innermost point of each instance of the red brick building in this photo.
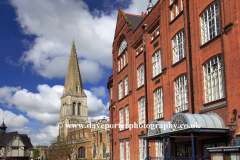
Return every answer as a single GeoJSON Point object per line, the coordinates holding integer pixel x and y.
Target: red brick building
{"type": "Point", "coordinates": [178, 64]}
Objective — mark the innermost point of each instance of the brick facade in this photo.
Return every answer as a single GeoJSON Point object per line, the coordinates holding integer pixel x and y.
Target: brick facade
{"type": "Point", "coordinates": [226, 44]}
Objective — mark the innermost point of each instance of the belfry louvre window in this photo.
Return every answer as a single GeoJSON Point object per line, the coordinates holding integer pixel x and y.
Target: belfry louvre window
{"type": "Point", "coordinates": [178, 43]}
{"type": "Point", "coordinates": [121, 90]}
{"type": "Point", "coordinates": [140, 73]}
{"type": "Point", "coordinates": [122, 150]}
{"type": "Point", "coordinates": [210, 22]}
{"type": "Point", "coordinates": [157, 66]}
{"type": "Point", "coordinates": [213, 79]}
{"type": "Point", "coordinates": [81, 152]}
{"type": "Point", "coordinates": [141, 110]}
{"type": "Point", "coordinates": [121, 119]}
{"type": "Point", "coordinates": [142, 149]}
{"type": "Point", "coordinates": [158, 103]}
{"type": "Point", "coordinates": [181, 93]}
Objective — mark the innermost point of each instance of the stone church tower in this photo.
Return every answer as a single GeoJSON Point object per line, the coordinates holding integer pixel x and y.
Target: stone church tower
{"type": "Point", "coordinates": [74, 108]}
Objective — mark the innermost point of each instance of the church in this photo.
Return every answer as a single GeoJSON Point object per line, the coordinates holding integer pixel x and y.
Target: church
{"type": "Point", "coordinates": [83, 141]}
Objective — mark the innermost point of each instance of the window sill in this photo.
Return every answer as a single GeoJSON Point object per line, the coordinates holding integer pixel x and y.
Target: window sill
{"type": "Point", "coordinates": [214, 107]}
{"type": "Point", "coordinates": [123, 130]}
{"type": "Point", "coordinates": [159, 119]}
{"type": "Point", "coordinates": [140, 87]}
{"type": "Point", "coordinates": [138, 54]}
{"type": "Point", "coordinates": [210, 41]}
{"type": "Point", "coordinates": [175, 18]}
{"type": "Point", "coordinates": [122, 98]}
{"type": "Point", "coordinates": [173, 65]}
{"type": "Point", "coordinates": [122, 69]}
{"type": "Point", "coordinates": [180, 111]}
{"type": "Point", "coordinates": [215, 101]}
{"type": "Point", "coordinates": [156, 76]}
{"type": "Point", "coordinates": [154, 39]}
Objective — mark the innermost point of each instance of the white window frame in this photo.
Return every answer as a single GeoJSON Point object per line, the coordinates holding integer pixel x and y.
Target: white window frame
{"type": "Point", "coordinates": [121, 90]}
{"type": "Point", "coordinates": [127, 150]}
{"type": "Point", "coordinates": [122, 150]}
{"type": "Point", "coordinates": [142, 149]}
{"type": "Point", "coordinates": [140, 73]}
{"type": "Point", "coordinates": [141, 110]}
{"type": "Point", "coordinates": [172, 14]}
{"type": "Point", "coordinates": [121, 63]}
{"type": "Point", "coordinates": [177, 9]}
{"type": "Point", "coordinates": [181, 93]}
{"type": "Point", "coordinates": [210, 16]}
{"type": "Point", "coordinates": [155, 33]}
{"type": "Point", "coordinates": [127, 116]}
{"type": "Point", "coordinates": [178, 43]}
{"type": "Point", "coordinates": [158, 103]}
{"type": "Point", "coordinates": [213, 79]}
{"type": "Point", "coordinates": [171, 1]}
{"type": "Point", "coordinates": [159, 148]}
{"type": "Point", "coordinates": [126, 85]}
{"type": "Point", "coordinates": [124, 60]}
{"type": "Point", "coordinates": [157, 63]}
{"type": "Point", "coordinates": [181, 5]}
{"type": "Point", "coordinates": [121, 119]}
{"type": "Point", "coordinates": [139, 49]}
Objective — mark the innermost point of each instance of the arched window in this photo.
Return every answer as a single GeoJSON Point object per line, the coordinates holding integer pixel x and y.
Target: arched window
{"type": "Point", "coordinates": [157, 66]}
{"type": "Point", "coordinates": [108, 136]}
{"type": "Point", "coordinates": [79, 106]}
{"type": "Point", "coordinates": [81, 152]}
{"type": "Point", "coordinates": [76, 88]}
{"type": "Point", "coordinates": [74, 104]}
{"type": "Point", "coordinates": [122, 46]}
{"type": "Point", "coordinates": [100, 137]}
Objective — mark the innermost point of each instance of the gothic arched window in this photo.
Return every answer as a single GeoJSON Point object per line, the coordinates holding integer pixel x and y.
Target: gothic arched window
{"type": "Point", "coordinates": [74, 104]}
{"type": "Point", "coordinates": [79, 106]}
{"type": "Point", "coordinates": [100, 137]}
{"type": "Point", "coordinates": [81, 152]}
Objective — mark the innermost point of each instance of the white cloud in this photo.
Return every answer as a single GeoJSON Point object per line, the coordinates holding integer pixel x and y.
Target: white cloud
{"type": "Point", "coordinates": [12, 120]}
{"type": "Point", "coordinates": [95, 105]}
{"type": "Point", "coordinates": [44, 106]}
{"type": "Point", "coordinates": [98, 91]}
{"type": "Point", "coordinates": [54, 23]}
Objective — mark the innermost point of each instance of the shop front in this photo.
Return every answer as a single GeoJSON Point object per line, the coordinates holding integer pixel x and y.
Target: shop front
{"type": "Point", "coordinates": [187, 136]}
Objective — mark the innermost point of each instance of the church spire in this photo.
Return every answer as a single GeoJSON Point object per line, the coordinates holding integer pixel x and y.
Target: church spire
{"type": "Point", "coordinates": [73, 83]}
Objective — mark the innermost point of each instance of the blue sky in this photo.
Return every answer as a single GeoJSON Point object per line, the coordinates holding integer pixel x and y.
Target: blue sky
{"type": "Point", "coordinates": [35, 44]}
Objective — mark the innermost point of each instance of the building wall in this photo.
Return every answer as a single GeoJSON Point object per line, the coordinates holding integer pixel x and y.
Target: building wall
{"type": "Point", "coordinates": [226, 44]}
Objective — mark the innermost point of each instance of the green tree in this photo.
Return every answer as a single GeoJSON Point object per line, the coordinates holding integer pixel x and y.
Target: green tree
{"type": "Point", "coordinates": [36, 152]}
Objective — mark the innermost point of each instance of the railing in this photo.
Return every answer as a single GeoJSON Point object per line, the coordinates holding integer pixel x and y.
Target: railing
{"type": "Point", "coordinates": [181, 158]}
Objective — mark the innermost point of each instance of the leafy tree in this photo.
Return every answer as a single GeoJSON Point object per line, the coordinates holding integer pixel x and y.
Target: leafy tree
{"type": "Point", "coordinates": [36, 152]}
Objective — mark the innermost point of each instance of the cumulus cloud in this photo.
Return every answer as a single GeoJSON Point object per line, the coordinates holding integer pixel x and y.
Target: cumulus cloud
{"type": "Point", "coordinates": [12, 120]}
{"type": "Point", "coordinates": [98, 91]}
{"type": "Point", "coordinates": [95, 105]}
{"type": "Point", "coordinates": [54, 23]}
{"type": "Point", "coordinates": [44, 106]}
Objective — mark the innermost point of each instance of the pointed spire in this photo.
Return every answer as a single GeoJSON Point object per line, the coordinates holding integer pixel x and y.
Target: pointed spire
{"type": "Point", "coordinates": [3, 127]}
{"type": "Point", "coordinates": [73, 83]}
